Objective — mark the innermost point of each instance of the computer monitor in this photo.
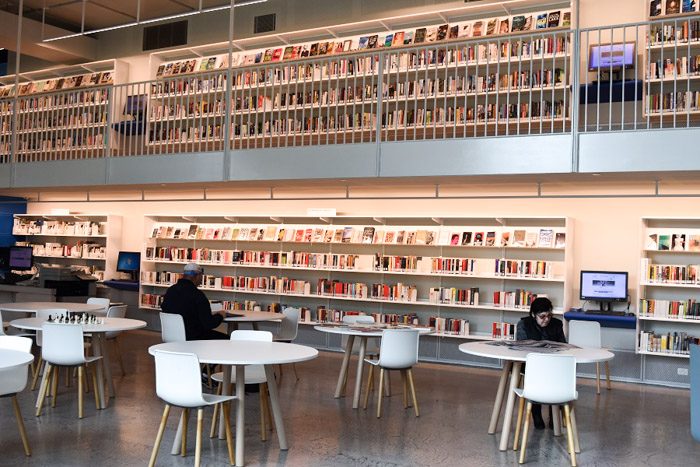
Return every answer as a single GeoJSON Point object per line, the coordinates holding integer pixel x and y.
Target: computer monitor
{"type": "Point", "coordinates": [611, 56]}
{"type": "Point", "coordinates": [130, 262]}
{"type": "Point", "coordinates": [20, 258]}
{"type": "Point", "coordinates": [603, 286]}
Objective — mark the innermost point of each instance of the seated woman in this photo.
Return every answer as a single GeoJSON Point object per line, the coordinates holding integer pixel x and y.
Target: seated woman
{"type": "Point", "coordinates": [539, 326]}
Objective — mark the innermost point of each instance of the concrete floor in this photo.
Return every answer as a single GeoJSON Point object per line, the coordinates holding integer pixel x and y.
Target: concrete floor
{"type": "Point", "coordinates": [632, 425]}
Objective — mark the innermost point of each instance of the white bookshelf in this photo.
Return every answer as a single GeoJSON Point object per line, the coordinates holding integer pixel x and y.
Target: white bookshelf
{"type": "Point", "coordinates": [550, 265]}
{"type": "Point", "coordinates": [667, 285]}
{"type": "Point", "coordinates": [87, 240]}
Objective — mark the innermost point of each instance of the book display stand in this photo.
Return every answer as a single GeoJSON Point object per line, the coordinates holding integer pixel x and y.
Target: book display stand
{"type": "Point", "coordinates": [87, 241]}
{"type": "Point", "coordinates": [669, 287]}
{"type": "Point", "coordinates": [461, 276]}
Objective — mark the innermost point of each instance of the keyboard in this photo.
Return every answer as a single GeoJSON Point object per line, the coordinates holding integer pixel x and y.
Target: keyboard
{"type": "Point", "coordinates": [608, 313]}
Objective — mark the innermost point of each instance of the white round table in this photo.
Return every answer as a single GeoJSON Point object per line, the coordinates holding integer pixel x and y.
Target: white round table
{"type": "Point", "coordinates": [240, 353]}
{"type": "Point", "coordinates": [33, 307]}
{"type": "Point", "coordinates": [99, 344]}
{"type": "Point", "coordinates": [254, 317]}
{"type": "Point", "coordinates": [363, 331]}
{"type": "Point", "coordinates": [14, 358]}
{"type": "Point", "coordinates": [513, 360]}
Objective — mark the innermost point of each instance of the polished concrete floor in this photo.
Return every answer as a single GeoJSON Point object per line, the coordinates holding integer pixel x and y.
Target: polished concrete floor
{"type": "Point", "coordinates": [632, 425]}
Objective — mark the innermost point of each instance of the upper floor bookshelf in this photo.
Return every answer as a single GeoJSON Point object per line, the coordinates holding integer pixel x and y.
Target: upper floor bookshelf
{"type": "Point", "coordinates": [458, 274]}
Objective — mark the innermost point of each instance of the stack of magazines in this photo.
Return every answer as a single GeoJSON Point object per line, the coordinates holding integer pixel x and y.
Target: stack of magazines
{"type": "Point", "coordinates": [534, 346]}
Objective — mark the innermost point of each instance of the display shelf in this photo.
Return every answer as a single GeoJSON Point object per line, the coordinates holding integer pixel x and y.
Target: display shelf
{"type": "Point", "coordinates": [668, 292]}
{"type": "Point", "coordinates": [366, 240]}
{"type": "Point", "coordinates": [664, 354]}
{"type": "Point", "coordinates": [92, 239]}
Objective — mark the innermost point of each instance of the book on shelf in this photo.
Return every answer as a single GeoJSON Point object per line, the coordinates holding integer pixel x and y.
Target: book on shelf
{"type": "Point", "coordinates": [431, 34]}
{"type": "Point", "coordinates": [560, 240]}
{"type": "Point", "coordinates": [688, 6]}
{"type": "Point", "coordinates": [477, 29]}
{"type": "Point", "coordinates": [531, 238]}
{"type": "Point", "coordinates": [553, 19]}
{"type": "Point", "coordinates": [368, 235]}
{"type": "Point", "coordinates": [491, 26]}
{"type": "Point", "coordinates": [652, 242]}
{"type": "Point", "coordinates": [442, 32]}
{"type": "Point", "coordinates": [503, 330]}
{"type": "Point", "coordinates": [546, 238]}
{"type": "Point", "coordinates": [664, 242]}
{"type": "Point", "coordinates": [678, 242]}
{"type": "Point", "coordinates": [541, 21]}
{"type": "Point", "coordinates": [490, 239]}
{"type": "Point", "coordinates": [504, 26]}
{"type": "Point", "coordinates": [673, 7]}
{"type": "Point", "coordinates": [654, 8]}
{"type": "Point", "coordinates": [519, 237]}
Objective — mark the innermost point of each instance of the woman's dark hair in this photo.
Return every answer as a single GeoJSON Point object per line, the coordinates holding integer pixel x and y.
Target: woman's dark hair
{"type": "Point", "coordinates": [540, 305]}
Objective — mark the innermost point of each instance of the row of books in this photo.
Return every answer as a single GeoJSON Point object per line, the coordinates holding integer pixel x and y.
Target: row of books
{"type": "Point", "coordinates": [453, 236]}
{"type": "Point", "coordinates": [463, 30]}
{"type": "Point", "coordinates": [52, 102]}
{"type": "Point", "coordinates": [503, 330]}
{"type": "Point", "coordinates": [669, 343]}
{"type": "Point", "coordinates": [673, 33]}
{"type": "Point", "coordinates": [678, 69]}
{"type": "Point", "coordinates": [673, 241]}
{"type": "Point", "coordinates": [449, 326]}
{"type": "Point", "coordinates": [24, 226]}
{"type": "Point", "coordinates": [668, 103]}
{"type": "Point", "coordinates": [523, 268]}
{"type": "Point", "coordinates": [681, 309]}
{"type": "Point", "coordinates": [203, 108]}
{"type": "Point", "coordinates": [61, 142]}
{"type": "Point", "coordinates": [453, 295]}
{"type": "Point", "coordinates": [670, 273]}
{"type": "Point", "coordinates": [671, 7]}
{"type": "Point", "coordinates": [78, 250]}
{"type": "Point", "coordinates": [191, 85]}
{"type": "Point", "coordinates": [518, 298]}
{"type": "Point", "coordinates": [57, 84]}
{"type": "Point", "coordinates": [54, 121]}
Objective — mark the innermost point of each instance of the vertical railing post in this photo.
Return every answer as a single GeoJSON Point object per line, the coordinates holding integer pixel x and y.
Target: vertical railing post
{"type": "Point", "coordinates": [380, 101]}
{"type": "Point", "coordinates": [576, 90]}
{"type": "Point", "coordinates": [227, 104]}
{"type": "Point", "coordinates": [108, 131]}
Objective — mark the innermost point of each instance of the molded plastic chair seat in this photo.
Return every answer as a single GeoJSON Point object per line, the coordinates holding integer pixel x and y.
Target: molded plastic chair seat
{"type": "Point", "coordinates": [178, 383]}
{"type": "Point", "coordinates": [44, 314]}
{"type": "Point", "coordinates": [587, 334]}
{"type": "Point", "coordinates": [549, 379]}
{"type": "Point", "coordinates": [14, 380]}
{"type": "Point", "coordinates": [398, 351]}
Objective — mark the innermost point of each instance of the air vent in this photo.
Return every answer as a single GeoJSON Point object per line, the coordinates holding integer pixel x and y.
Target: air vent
{"type": "Point", "coordinates": [165, 35]}
{"type": "Point", "coordinates": [264, 23]}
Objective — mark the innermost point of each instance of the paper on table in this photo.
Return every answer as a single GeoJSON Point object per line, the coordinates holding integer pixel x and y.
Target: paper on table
{"type": "Point", "coordinates": [530, 344]}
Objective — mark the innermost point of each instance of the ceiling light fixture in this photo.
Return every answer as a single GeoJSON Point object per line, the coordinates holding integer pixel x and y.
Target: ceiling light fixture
{"type": "Point", "coordinates": [155, 20]}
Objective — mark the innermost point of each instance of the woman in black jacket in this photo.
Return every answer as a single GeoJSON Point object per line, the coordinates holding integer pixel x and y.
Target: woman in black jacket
{"type": "Point", "coordinates": [540, 326]}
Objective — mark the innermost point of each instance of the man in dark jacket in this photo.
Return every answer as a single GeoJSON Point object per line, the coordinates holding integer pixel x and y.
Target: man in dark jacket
{"type": "Point", "coordinates": [185, 299]}
{"type": "Point", "coordinates": [540, 326]}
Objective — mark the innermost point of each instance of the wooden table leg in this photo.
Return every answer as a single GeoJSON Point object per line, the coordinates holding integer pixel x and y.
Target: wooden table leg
{"type": "Point", "coordinates": [358, 378]}
{"type": "Point", "coordinates": [496, 412]}
{"type": "Point", "coordinates": [556, 419]}
{"type": "Point", "coordinates": [508, 416]}
{"type": "Point", "coordinates": [344, 367]}
{"type": "Point", "coordinates": [107, 363]}
{"type": "Point", "coordinates": [275, 405]}
{"type": "Point", "coordinates": [97, 351]}
{"type": "Point", "coordinates": [240, 412]}
{"type": "Point", "coordinates": [225, 391]}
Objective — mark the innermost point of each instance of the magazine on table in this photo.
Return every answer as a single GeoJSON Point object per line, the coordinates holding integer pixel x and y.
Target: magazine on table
{"type": "Point", "coordinates": [536, 346]}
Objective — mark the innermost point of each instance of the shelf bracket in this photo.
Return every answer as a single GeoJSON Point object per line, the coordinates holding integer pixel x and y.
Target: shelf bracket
{"type": "Point", "coordinates": [282, 39]}
{"type": "Point", "coordinates": [379, 220]}
{"type": "Point", "coordinates": [324, 219]}
{"type": "Point", "coordinates": [386, 26]}
{"type": "Point", "coordinates": [279, 220]}
{"type": "Point", "coordinates": [231, 219]}
{"type": "Point", "coordinates": [188, 219]}
{"type": "Point", "coordinates": [329, 31]}
{"type": "Point", "coordinates": [437, 220]}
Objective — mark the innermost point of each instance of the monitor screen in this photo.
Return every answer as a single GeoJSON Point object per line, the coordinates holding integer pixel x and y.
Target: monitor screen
{"type": "Point", "coordinates": [603, 286]}
{"type": "Point", "coordinates": [128, 261]}
{"type": "Point", "coordinates": [20, 257]}
{"type": "Point", "coordinates": [615, 56]}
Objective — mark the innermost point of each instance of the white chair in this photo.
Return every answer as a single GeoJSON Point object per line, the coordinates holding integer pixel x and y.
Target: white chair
{"type": "Point", "coordinates": [172, 327]}
{"type": "Point", "coordinates": [254, 374]}
{"type": "Point", "coordinates": [104, 302]}
{"type": "Point", "coordinates": [62, 346]}
{"type": "Point", "coordinates": [398, 351]}
{"type": "Point", "coordinates": [587, 334]}
{"type": "Point", "coordinates": [118, 311]}
{"type": "Point", "coordinates": [178, 383]}
{"type": "Point", "coordinates": [44, 314]}
{"type": "Point", "coordinates": [288, 330]}
{"type": "Point", "coordinates": [14, 380]}
{"type": "Point", "coordinates": [549, 379]}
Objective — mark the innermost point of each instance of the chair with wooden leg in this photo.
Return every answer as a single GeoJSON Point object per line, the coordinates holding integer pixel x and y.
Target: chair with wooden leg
{"type": "Point", "coordinates": [118, 311]}
{"type": "Point", "coordinates": [398, 351]}
{"type": "Point", "coordinates": [178, 384]}
{"type": "Point", "coordinates": [549, 379]}
{"type": "Point", "coordinates": [587, 334]}
{"type": "Point", "coordinates": [14, 380]}
{"type": "Point", "coordinates": [44, 314]}
{"type": "Point", "coordinates": [63, 346]}
{"type": "Point", "coordinates": [254, 374]}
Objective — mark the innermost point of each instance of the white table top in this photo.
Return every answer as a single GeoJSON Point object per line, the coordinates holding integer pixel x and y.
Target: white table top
{"type": "Point", "coordinates": [33, 307]}
{"type": "Point", "coordinates": [363, 329]}
{"type": "Point", "coordinates": [241, 352]}
{"type": "Point", "coordinates": [251, 316]}
{"type": "Point", "coordinates": [483, 349]}
{"type": "Point", "coordinates": [14, 358]}
{"type": "Point", "coordinates": [110, 324]}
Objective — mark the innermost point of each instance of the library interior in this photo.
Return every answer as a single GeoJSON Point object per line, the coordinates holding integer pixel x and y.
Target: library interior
{"type": "Point", "coordinates": [349, 232]}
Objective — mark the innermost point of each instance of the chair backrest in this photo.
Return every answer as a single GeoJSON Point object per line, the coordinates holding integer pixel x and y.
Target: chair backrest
{"type": "Point", "coordinates": [117, 311]}
{"type": "Point", "coordinates": [104, 302]}
{"type": "Point", "coordinates": [358, 319]}
{"type": "Point", "coordinates": [585, 334]}
{"type": "Point", "coordinates": [2, 325]}
{"type": "Point", "coordinates": [14, 380]}
{"type": "Point", "coordinates": [695, 391]}
{"type": "Point", "coordinates": [399, 348]}
{"type": "Point", "coordinates": [178, 379]}
{"type": "Point", "coordinates": [550, 378]}
{"type": "Point", "coordinates": [46, 314]}
{"type": "Point", "coordinates": [172, 327]}
{"type": "Point", "coordinates": [289, 327]}
{"type": "Point", "coordinates": [372, 344]}
{"type": "Point", "coordinates": [246, 335]}
{"type": "Point", "coordinates": [63, 344]}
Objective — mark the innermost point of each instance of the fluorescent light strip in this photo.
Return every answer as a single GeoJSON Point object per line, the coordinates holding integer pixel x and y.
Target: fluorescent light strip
{"type": "Point", "coordinates": [154, 20]}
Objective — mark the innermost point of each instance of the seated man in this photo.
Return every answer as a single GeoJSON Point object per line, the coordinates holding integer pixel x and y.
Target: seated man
{"type": "Point", "coordinates": [185, 299]}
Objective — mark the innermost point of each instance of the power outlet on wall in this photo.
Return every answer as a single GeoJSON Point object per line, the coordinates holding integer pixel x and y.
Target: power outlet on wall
{"type": "Point", "coordinates": [682, 372]}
